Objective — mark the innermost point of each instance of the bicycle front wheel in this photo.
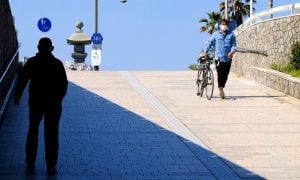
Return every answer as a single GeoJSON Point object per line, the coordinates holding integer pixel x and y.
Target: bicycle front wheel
{"type": "Point", "coordinates": [210, 84]}
{"type": "Point", "coordinates": [199, 83]}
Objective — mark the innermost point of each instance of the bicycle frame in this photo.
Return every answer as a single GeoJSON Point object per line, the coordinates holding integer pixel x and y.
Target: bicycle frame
{"type": "Point", "coordinates": [205, 78]}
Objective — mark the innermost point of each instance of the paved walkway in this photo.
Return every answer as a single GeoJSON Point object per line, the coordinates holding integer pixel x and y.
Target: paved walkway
{"type": "Point", "coordinates": [151, 125]}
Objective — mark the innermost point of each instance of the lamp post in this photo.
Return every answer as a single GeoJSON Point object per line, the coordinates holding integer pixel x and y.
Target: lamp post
{"type": "Point", "coordinates": [271, 6]}
{"type": "Point", "coordinates": [97, 41]}
{"type": "Point", "coordinates": [226, 9]}
{"type": "Point", "coordinates": [96, 16]}
{"type": "Point", "coordinates": [251, 8]}
{"type": "Point", "coordinates": [96, 13]}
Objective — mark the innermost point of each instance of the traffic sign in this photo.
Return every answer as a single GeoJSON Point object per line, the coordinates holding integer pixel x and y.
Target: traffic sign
{"type": "Point", "coordinates": [96, 57]}
{"type": "Point", "coordinates": [44, 24]}
{"type": "Point", "coordinates": [97, 38]}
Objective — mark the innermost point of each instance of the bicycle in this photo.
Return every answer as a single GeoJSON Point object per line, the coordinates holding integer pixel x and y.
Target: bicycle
{"type": "Point", "coordinates": [205, 76]}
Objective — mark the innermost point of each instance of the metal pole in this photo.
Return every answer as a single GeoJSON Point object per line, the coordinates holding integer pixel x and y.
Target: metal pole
{"type": "Point", "coordinates": [292, 9]}
{"type": "Point", "coordinates": [96, 16]}
{"type": "Point", "coordinates": [226, 9]}
{"type": "Point", "coordinates": [251, 8]}
{"type": "Point", "coordinates": [271, 6]}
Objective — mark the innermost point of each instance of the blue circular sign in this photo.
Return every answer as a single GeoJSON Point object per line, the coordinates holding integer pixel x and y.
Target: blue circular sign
{"type": "Point", "coordinates": [97, 38]}
{"type": "Point", "coordinates": [44, 24]}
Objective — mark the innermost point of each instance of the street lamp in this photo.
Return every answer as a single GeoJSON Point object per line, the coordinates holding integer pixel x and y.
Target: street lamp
{"type": "Point", "coordinates": [251, 8]}
{"type": "Point", "coordinates": [97, 47]}
{"type": "Point", "coordinates": [226, 9]}
{"type": "Point", "coordinates": [96, 13]}
{"type": "Point", "coordinates": [96, 16]}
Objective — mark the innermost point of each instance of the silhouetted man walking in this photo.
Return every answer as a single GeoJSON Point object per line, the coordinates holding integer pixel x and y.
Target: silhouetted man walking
{"type": "Point", "coordinates": [47, 88]}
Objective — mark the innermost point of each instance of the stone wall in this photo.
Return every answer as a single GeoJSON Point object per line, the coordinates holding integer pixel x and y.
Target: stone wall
{"type": "Point", "coordinates": [8, 38]}
{"type": "Point", "coordinates": [277, 80]}
{"type": "Point", "coordinates": [266, 43]}
{"type": "Point", "coordinates": [8, 47]}
{"type": "Point", "coordinates": [275, 37]}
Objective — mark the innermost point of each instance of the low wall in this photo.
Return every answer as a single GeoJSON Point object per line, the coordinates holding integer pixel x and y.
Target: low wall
{"type": "Point", "coordinates": [276, 80]}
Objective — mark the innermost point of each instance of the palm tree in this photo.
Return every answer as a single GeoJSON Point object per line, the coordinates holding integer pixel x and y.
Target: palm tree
{"type": "Point", "coordinates": [237, 10]}
{"type": "Point", "coordinates": [210, 23]}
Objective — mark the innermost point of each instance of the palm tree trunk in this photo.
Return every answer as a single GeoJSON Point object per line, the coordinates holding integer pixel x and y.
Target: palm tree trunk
{"type": "Point", "coordinates": [271, 6]}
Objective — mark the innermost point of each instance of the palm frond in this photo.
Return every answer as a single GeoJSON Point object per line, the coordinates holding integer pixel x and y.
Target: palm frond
{"type": "Point", "coordinates": [203, 29]}
{"type": "Point", "coordinates": [203, 20]}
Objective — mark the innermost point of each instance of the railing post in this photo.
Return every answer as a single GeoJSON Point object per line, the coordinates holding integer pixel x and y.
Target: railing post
{"type": "Point", "coordinates": [251, 8]}
{"type": "Point", "coordinates": [292, 9]}
{"type": "Point", "coordinates": [270, 7]}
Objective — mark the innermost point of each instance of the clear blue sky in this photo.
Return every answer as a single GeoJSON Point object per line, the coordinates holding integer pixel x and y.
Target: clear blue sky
{"type": "Point", "coordinates": [138, 35]}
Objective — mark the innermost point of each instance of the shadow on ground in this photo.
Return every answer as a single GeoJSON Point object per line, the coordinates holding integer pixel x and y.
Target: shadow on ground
{"type": "Point", "coordinates": [233, 98]}
{"type": "Point", "coordinates": [102, 140]}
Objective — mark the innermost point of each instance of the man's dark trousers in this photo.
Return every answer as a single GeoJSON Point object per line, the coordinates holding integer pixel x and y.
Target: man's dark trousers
{"type": "Point", "coordinates": [51, 125]}
{"type": "Point", "coordinates": [223, 70]}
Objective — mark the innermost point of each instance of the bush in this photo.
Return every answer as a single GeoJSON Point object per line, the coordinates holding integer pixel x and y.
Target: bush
{"type": "Point", "coordinates": [193, 66]}
{"type": "Point", "coordinates": [295, 57]}
{"type": "Point", "coordinates": [292, 67]}
{"type": "Point", "coordinates": [275, 66]}
{"type": "Point", "coordinates": [283, 68]}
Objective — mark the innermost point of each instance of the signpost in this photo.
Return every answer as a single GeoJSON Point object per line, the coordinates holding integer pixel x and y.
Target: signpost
{"type": "Point", "coordinates": [44, 24]}
{"type": "Point", "coordinates": [97, 38]}
{"type": "Point", "coordinates": [96, 58]}
{"type": "Point", "coordinates": [96, 55]}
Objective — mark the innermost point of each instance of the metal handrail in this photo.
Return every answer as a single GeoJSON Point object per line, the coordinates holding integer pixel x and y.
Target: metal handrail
{"type": "Point", "coordinates": [10, 63]}
{"type": "Point", "coordinates": [11, 88]}
{"type": "Point", "coordinates": [245, 50]}
{"type": "Point", "coordinates": [6, 100]}
{"type": "Point", "coordinates": [259, 17]}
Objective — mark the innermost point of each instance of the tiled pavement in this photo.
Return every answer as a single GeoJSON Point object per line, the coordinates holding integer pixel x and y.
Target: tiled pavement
{"type": "Point", "coordinates": [150, 125]}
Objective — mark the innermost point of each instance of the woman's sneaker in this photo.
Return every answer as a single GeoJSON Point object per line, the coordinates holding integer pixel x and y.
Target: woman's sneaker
{"type": "Point", "coordinates": [222, 94]}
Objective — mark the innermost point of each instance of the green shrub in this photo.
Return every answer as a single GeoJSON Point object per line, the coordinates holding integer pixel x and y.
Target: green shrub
{"type": "Point", "coordinates": [295, 73]}
{"type": "Point", "coordinates": [283, 68]}
{"type": "Point", "coordinates": [292, 67]}
{"type": "Point", "coordinates": [295, 57]}
{"type": "Point", "coordinates": [275, 67]}
{"type": "Point", "coordinates": [193, 66]}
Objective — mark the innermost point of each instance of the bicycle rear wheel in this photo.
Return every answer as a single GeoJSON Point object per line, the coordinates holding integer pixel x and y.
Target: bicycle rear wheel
{"type": "Point", "coordinates": [199, 83]}
{"type": "Point", "coordinates": [209, 84]}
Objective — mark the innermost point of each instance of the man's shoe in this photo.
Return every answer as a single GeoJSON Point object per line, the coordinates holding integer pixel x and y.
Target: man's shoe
{"type": "Point", "coordinates": [222, 94]}
{"type": "Point", "coordinates": [51, 171]}
{"type": "Point", "coordinates": [29, 165]}
{"type": "Point", "coordinates": [30, 169]}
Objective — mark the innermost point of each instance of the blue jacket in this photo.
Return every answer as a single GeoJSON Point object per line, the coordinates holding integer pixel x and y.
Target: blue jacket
{"type": "Point", "coordinates": [224, 44]}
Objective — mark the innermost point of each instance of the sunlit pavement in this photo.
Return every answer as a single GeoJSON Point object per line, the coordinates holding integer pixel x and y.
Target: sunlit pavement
{"type": "Point", "coordinates": [151, 125]}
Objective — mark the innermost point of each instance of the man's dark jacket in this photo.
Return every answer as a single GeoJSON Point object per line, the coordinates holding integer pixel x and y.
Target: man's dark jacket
{"type": "Point", "coordinates": [48, 81]}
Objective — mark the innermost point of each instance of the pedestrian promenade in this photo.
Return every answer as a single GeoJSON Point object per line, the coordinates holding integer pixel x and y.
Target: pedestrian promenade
{"type": "Point", "coordinates": [151, 125]}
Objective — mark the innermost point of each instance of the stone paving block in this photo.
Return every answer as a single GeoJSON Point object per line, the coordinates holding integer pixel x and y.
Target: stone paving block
{"type": "Point", "coordinates": [109, 131]}
{"type": "Point", "coordinates": [103, 138]}
{"type": "Point", "coordinates": [246, 129]}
